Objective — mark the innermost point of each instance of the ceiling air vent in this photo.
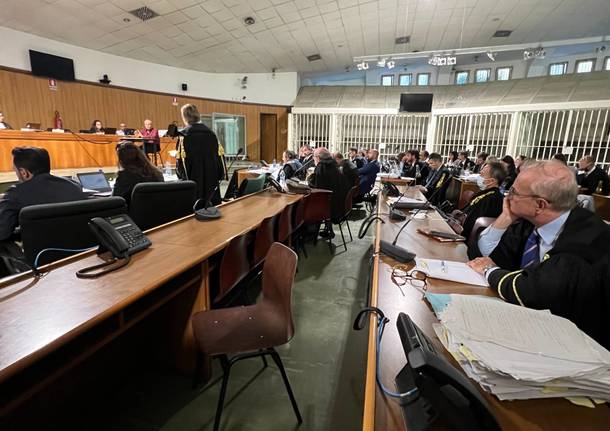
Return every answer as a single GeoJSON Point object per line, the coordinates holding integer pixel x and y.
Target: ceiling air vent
{"type": "Point", "coordinates": [402, 39]}
{"type": "Point", "coordinates": [144, 13]}
{"type": "Point", "coordinates": [314, 57]}
{"type": "Point", "coordinates": [502, 33]}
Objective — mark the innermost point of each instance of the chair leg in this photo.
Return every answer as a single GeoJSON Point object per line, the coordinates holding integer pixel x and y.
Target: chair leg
{"type": "Point", "coordinates": [278, 362]}
{"type": "Point", "coordinates": [226, 366]}
{"type": "Point", "coordinates": [351, 238]}
{"type": "Point", "coordinates": [342, 236]}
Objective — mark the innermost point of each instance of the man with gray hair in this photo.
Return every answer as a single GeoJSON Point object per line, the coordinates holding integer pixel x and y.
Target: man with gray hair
{"type": "Point", "coordinates": [544, 252]}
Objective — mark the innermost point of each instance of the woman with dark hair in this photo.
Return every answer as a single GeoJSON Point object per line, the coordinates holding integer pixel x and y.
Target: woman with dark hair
{"type": "Point", "coordinates": [96, 127]}
{"type": "Point", "coordinates": [135, 169]}
{"type": "Point", "coordinates": [452, 159]}
{"type": "Point", "coordinates": [511, 169]}
{"type": "Point", "coordinates": [518, 161]}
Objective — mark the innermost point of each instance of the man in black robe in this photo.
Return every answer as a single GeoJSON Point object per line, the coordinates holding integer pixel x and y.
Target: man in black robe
{"type": "Point", "coordinates": [438, 180]}
{"type": "Point", "coordinates": [488, 202]}
{"type": "Point", "coordinates": [591, 176]}
{"type": "Point", "coordinates": [544, 252]}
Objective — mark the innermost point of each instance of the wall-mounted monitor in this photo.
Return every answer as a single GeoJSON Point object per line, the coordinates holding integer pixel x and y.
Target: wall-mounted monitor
{"type": "Point", "coordinates": [51, 66]}
{"type": "Point", "coordinates": [415, 102]}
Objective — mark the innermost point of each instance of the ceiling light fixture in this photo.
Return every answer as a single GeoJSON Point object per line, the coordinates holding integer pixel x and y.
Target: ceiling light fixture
{"type": "Point", "coordinates": [391, 64]}
{"type": "Point", "coordinates": [442, 60]}
{"type": "Point", "coordinates": [491, 55]}
{"type": "Point", "coordinates": [381, 62]}
{"type": "Point", "coordinates": [362, 66]}
{"type": "Point", "coordinates": [531, 53]}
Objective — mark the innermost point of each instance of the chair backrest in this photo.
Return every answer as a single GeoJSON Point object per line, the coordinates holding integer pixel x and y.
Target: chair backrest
{"type": "Point", "coordinates": [317, 206]}
{"type": "Point", "coordinates": [153, 204]}
{"type": "Point", "coordinates": [265, 236]}
{"type": "Point", "coordinates": [278, 277]}
{"type": "Point", "coordinates": [231, 191]}
{"type": "Point", "coordinates": [349, 199]}
{"type": "Point", "coordinates": [251, 185]}
{"type": "Point", "coordinates": [299, 214]}
{"type": "Point", "coordinates": [284, 223]}
{"type": "Point", "coordinates": [479, 225]}
{"type": "Point", "coordinates": [465, 198]}
{"type": "Point", "coordinates": [234, 266]}
{"type": "Point", "coordinates": [602, 206]}
{"type": "Point", "coordinates": [63, 225]}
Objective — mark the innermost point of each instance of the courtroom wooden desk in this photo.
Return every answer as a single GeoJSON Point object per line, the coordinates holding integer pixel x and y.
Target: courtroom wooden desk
{"type": "Point", "coordinates": [51, 324]}
{"type": "Point", "coordinates": [67, 150]}
{"type": "Point", "coordinates": [455, 192]}
{"type": "Point", "coordinates": [381, 413]}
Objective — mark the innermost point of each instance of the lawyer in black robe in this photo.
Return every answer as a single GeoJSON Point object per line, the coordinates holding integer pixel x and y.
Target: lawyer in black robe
{"type": "Point", "coordinates": [486, 203]}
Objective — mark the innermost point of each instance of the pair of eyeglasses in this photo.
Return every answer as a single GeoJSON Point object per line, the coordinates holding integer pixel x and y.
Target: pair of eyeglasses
{"type": "Point", "coordinates": [512, 193]}
{"type": "Point", "coordinates": [401, 276]}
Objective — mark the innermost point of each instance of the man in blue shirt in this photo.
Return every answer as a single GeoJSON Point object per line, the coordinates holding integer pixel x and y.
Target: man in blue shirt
{"type": "Point", "coordinates": [544, 252]}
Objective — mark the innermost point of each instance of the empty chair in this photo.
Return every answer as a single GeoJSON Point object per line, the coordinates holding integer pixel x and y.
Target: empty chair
{"type": "Point", "coordinates": [264, 237]}
{"type": "Point", "coordinates": [317, 210]}
{"type": "Point", "coordinates": [349, 199]}
{"type": "Point", "coordinates": [234, 267]}
{"type": "Point", "coordinates": [153, 204]}
{"type": "Point", "coordinates": [253, 331]}
{"type": "Point", "coordinates": [231, 192]}
{"type": "Point", "coordinates": [63, 225]}
{"type": "Point", "coordinates": [251, 185]}
{"type": "Point", "coordinates": [480, 224]}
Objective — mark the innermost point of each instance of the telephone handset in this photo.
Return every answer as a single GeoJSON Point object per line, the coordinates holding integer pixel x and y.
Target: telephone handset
{"type": "Point", "coordinates": [390, 189]}
{"type": "Point", "coordinates": [121, 237]}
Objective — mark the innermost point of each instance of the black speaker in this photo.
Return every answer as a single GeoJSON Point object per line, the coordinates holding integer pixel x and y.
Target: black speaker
{"type": "Point", "coordinates": [184, 87]}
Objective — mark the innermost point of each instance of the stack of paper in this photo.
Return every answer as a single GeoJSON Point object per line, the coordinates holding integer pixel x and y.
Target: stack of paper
{"type": "Point", "coordinates": [519, 353]}
{"type": "Point", "coordinates": [451, 271]}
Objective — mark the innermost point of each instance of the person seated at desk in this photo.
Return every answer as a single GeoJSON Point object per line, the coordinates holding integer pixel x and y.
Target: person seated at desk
{"type": "Point", "coordinates": [424, 157]}
{"type": "Point", "coordinates": [135, 168]}
{"type": "Point", "coordinates": [368, 173]}
{"type": "Point", "coordinates": [97, 127]}
{"type": "Point", "coordinates": [437, 180]}
{"type": "Point", "coordinates": [306, 155]}
{"type": "Point", "coordinates": [327, 176]}
{"type": "Point", "coordinates": [348, 169]}
{"type": "Point", "coordinates": [3, 124]}
{"type": "Point", "coordinates": [36, 186]}
{"type": "Point", "coordinates": [591, 177]}
{"type": "Point", "coordinates": [544, 252]}
{"type": "Point", "coordinates": [198, 156]}
{"type": "Point", "coordinates": [414, 168]}
{"type": "Point", "coordinates": [152, 142]}
{"type": "Point", "coordinates": [122, 130]}
{"type": "Point", "coordinates": [464, 162]}
{"type": "Point", "coordinates": [291, 165]}
{"type": "Point", "coordinates": [355, 158]}
{"type": "Point", "coordinates": [511, 172]}
{"type": "Point", "coordinates": [479, 162]}
{"type": "Point", "coordinates": [486, 203]}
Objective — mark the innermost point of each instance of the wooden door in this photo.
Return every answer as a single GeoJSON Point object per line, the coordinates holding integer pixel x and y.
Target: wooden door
{"type": "Point", "coordinates": [269, 137]}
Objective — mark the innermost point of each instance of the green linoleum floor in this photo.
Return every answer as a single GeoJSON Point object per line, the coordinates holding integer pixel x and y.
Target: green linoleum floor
{"type": "Point", "coordinates": [325, 362]}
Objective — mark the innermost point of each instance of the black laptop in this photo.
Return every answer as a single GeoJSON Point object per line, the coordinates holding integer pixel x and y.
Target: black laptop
{"type": "Point", "coordinates": [95, 183]}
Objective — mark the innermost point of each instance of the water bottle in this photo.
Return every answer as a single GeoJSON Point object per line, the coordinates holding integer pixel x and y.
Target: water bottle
{"type": "Point", "coordinates": [167, 170]}
{"type": "Point", "coordinates": [417, 173]}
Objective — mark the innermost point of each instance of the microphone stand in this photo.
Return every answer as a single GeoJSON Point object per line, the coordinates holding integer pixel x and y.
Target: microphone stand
{"type": "Point", "coordinates": [396, 252]}
{"type": "Point", "coordinates": [209, 211]}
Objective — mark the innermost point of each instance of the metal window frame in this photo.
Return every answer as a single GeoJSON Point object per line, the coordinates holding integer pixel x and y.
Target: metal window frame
{"type": "Point", "coordinates": [410, 75]}
{"type": "Point", "coordinates": [457, 73]}
{"type": "Point", "coordinates": [510, 72]}
{"type": "Point", "coordinates": [565, 68]}
{"type": "Point", "coordinates": [488, 69]}
{"type": "Point", "coordinates": [584, 60]}
{"type": "Point", "coordinates": [391, 76]}
{"type": "Point", "coordinates": [421, 74]}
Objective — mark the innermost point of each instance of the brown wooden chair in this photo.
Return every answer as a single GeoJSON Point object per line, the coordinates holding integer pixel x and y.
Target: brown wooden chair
{"type": "Point", "coordinates": [317, 211]}
{"type": "Point", "coordinates": [479, 225]}
{"type": "Point", "coordinates": [233, 269]}
{"type": "Point", "coordinates": [253, 331]}
{"type": "Point", "coordinates": [465, 198]}
{"type": "Point", "coordinates": [602, 206]}
{"type": "Point", "coordinates": [284, 224]}
{"type": "Point", "coordinates": [264, 237]}
{"type": "Point", "coordinates": [349, 199]}
{"type": "Point", "coordinates": [297, 224]}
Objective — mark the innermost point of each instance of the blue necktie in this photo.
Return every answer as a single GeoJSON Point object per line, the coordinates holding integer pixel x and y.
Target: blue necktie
{"type": "Point", "coordinates": [531, 253]}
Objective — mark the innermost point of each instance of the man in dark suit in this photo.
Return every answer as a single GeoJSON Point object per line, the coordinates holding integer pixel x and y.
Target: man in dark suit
{"type": "Point", "coordinates": [3, 124]}
{"type": "Point", "coordinates": [479, 163]}
{"type": "Point", "coordinates": [414, 168]}
{"type": "Point", "coordinates": [368, 173]}
{"type": "Point", "coordinates": [544, 252]}
{"type": "Point", "coordinates": [590, 176]}
{"type": "Point", "coordinates": [489, 201]}
{"type": "Point", "coordinates": [36, 186]}
{"type": "Point", "coordinates": [464, 162]}
{"type": "Point", "coordinates": [355, 158]}
{"type": "Point", "coordinates": [437, 181]}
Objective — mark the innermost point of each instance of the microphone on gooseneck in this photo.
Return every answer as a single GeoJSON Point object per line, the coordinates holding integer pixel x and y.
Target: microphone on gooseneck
{"type": "Point", "coordinates": [397, 252]}
{"type": "Point", "coordinates": [210, 212]}
{"type": "Point", "coordinates": [305, 166]}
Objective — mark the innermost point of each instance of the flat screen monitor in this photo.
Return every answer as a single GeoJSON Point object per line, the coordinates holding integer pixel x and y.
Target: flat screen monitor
{"type": "Point", "coordinates": [416, 102]}
{"type": "Point", "coordinates": [94, 181]}
{"type": "Point", "coordinates": [51, 66]}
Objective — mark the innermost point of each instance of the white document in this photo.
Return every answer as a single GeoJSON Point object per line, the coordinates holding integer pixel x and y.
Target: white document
{"type": "Point", "coordinates": [451, 271]}
{"type": "Point", "coordinates": [405, 199]}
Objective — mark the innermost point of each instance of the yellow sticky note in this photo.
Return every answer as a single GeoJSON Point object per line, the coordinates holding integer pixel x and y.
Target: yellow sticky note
{"type": "Point", "coordinates": [467, 354]}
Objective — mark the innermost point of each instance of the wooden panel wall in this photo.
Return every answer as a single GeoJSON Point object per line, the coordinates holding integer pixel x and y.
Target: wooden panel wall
{"type": "Point", "coordinates": [26, 98]}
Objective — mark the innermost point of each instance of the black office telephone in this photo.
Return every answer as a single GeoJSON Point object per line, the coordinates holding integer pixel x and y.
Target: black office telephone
{"type": "Point", "coordinates": [446, 397]}
{"type": "Point", "coordinates": [390, 189]}
{"type": "Point", "coordinates": [121, 237]}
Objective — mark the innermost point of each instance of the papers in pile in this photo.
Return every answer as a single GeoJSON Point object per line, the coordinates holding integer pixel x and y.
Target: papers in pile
{"type": "Point", "coordinates": [519, 353]}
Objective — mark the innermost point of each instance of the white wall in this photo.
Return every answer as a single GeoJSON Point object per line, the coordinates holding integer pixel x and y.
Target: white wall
{"type": "Point", "coordinates": [90, 65]}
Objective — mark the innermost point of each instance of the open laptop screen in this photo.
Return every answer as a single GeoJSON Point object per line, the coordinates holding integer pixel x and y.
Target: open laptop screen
{"type": "Point", "coordinates": [94, 181]}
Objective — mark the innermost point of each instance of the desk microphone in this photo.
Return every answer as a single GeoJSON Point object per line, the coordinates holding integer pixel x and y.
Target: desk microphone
{"type": "Point", "coordinates": [209, 211]}
{"type": "Point", "coordinates": [305, 166]}
{"type": "Point", "coordinates": [397, 252]}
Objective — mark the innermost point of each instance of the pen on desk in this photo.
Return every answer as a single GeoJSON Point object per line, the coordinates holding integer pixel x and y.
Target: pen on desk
{"type": "Point", "coordinates": [443, 266]}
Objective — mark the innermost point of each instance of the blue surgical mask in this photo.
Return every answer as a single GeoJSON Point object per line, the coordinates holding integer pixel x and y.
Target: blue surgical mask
{"type": "Point", "coordinates": [481, 182]}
